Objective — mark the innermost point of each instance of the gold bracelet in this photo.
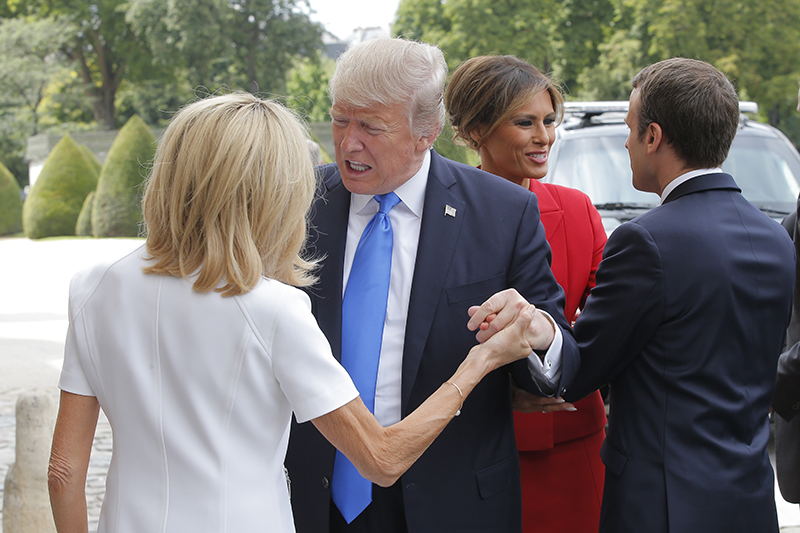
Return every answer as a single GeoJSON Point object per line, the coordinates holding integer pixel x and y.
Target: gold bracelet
{"type": "Point", "coordinates": [460, 394]}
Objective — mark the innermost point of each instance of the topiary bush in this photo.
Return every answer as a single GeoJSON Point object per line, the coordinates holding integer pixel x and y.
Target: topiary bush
{"type": "Point", "coordinates": [117, 209]}
{"type": "Point", "coordinates": [96, 164]}
{"type": "Point", "coordinates": [83, 228]}
{"type": "Point", "coordinates": [57, 195]}
{"type": "Point", "coordinates": [10, 203]}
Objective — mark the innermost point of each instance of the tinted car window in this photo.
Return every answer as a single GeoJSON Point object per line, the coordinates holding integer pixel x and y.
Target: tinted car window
{"type": "Point", "coordinates": [766, 170]}
{"type": "Point", "coordinates": [594, 160]}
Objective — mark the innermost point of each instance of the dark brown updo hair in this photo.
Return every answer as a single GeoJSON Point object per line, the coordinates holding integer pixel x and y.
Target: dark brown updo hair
{"type": "Point", "coordinates": [486, 90]}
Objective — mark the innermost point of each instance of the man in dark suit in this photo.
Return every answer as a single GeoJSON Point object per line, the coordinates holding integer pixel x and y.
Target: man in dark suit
{"type": "Point", "coordinates": [687, 322]}
{"type": "Point", "coordinates": [460, 236]}
{"type": "Point", "coordinates": [786, 402]}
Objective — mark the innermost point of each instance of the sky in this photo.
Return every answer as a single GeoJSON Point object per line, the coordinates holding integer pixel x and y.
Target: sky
{"type": "Point", "coordinates": [341, 17]}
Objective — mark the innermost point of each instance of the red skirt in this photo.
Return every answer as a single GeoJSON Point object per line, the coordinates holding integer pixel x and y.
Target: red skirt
{"type": "Point", "coordinates": [562, 485]}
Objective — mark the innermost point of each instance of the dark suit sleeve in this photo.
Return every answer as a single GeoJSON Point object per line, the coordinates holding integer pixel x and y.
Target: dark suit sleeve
{"type": "Point", "coordinates": [622, 313]}
{"type": "Point", "coordinates": [531, 276]}
{"type": "Point", "coordinates": [786, 401]}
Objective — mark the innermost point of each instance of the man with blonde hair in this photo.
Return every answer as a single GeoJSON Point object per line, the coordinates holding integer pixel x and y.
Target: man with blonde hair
{"type": "Point", "coordinates": [445, 255]}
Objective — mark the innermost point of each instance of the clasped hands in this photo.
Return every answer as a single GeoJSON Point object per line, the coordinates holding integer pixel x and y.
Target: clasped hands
{"type": "Point", "coordinates": [520, 322]}
{"type": "Point", "coordinates": [501, 310]}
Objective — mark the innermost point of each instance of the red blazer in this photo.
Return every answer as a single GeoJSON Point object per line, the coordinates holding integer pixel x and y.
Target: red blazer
{"type": "Point", "coordinates": [574, 229]}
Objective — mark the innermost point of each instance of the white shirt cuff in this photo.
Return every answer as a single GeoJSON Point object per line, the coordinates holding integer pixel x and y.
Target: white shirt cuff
{"type": "Point", "coordinates": [547, 373]}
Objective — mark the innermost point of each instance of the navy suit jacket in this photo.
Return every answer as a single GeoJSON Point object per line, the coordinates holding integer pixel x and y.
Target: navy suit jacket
{"type": "Point", "coordinates": [468, 480]}
{"type": "Point", "coordinates": [686, 323]}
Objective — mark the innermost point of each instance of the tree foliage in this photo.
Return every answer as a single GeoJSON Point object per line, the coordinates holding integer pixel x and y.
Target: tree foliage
{"type": "Point", "coordinates": [560, 37]}
{"type": "Point", "coordinates": [31, 58]}
{"type": "Point", "coordinates": [596, 46]}
{"type": "Point", "coordinates": [104, 47]}
{"type": "Point", "coordinates": [240, 44]}
{"type": "Point", "coordinates": [307, 84]}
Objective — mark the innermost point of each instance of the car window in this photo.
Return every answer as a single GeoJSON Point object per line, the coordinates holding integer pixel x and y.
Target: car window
{"type": "Point", "coordinates": [598, 166]}
{"type": "Point", "coordinates": [765, 168]}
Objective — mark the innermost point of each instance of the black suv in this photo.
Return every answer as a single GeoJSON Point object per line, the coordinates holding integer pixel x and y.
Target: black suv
{"type": "Point", "coordinates": [589, 154]}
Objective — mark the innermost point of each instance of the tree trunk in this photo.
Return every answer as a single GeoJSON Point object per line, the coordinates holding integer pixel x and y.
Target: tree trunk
{"type": "Point", "coordinates": [105, 106]}
{"type": "Point", "coordinates": [104, 96]}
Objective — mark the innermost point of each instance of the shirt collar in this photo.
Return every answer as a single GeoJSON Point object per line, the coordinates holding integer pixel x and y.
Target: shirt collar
{"type": "Point", "coordinates": [683, 178]}
{"type": "Point", "coordinates": [411, 193]}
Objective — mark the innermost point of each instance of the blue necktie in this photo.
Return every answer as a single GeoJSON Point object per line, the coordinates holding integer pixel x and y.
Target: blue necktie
{"type": "Point", "coordinates": [363, 315]}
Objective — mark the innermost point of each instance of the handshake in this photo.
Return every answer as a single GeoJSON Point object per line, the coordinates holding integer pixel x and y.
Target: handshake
{"type": "Point", "coordinates": [514, 329]}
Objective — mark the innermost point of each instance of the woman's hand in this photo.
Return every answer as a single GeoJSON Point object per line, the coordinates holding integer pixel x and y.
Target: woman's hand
{"type": "Point", "coordinates": [500, 310]}
{"type": "Point", "coordinates": [509, 343]}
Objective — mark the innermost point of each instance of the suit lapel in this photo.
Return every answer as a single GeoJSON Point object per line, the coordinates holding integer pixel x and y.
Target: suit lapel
{"type": "Point", "coordinates": [331, 212]}
{"type": "Point", "coordinates": [441, 223]}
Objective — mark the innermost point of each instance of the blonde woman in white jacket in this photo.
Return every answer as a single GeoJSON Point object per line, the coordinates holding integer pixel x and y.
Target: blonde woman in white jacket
{"type": "Point", "coordinates": [198, 346]}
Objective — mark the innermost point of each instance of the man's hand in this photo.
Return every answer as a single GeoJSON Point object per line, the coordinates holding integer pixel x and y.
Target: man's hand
{"type": "Point", "coordinates": [500, 310]}
{"type": "Point", "coordinates": [525, 402]}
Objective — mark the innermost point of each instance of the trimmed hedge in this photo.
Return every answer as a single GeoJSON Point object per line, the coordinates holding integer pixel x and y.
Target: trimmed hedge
{"type": "Point", "coordinates": [10, 203]}
{"type": "Point", "coordinates": [91, 158]}
{"type": "Point", "coordinates": [83, 228]}
{"type": "Point", "coordinates": [56, 198]}
{"type": "Point", "coordinates": [117, 209]}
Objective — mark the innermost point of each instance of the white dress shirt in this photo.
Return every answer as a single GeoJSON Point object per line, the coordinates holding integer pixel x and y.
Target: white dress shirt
{"type": "Point", "coordinates": [406, 219]}
{"type": "Point", "coordinates": [683, 178]}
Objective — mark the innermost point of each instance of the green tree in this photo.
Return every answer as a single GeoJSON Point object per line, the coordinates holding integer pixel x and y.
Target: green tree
{"type": "Point", "coordinates": [56, 198]}
{"type": "Point", "coordinates": [30, 60]}
{"type": "Point", "coordinates": [485, 27]}
{"type": "Point", "coordinates": [422, 20]}
{"type": "Point", "coordinates": [757, 46]}
{"type": "Point", "coordinates": [610, 79]}
{"type": "Point", "coordinates": [580, 30]}
{"type": "Point", "coordinates": [117, 209]}
{"type": "Point", "coordinates": [307, 87]}
{"type": "Point", "coordinates": [240, 44]}
{"type": "Point", "coordinates": [13, 134]}
{"type": "Point", "coordinates": [561, 39]}
{"type": "Point", "coordinates": [104, 47]}
{"type": "Point", "coordinates": [155, 101]}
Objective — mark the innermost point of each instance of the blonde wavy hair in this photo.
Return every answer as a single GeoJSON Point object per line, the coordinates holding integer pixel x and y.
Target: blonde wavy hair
{"type": "Point", "coordinates": [228, 198]}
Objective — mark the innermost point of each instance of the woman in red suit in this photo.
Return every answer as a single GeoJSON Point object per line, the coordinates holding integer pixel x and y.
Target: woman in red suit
{"type": "Point", "coordinates": [507, 110]}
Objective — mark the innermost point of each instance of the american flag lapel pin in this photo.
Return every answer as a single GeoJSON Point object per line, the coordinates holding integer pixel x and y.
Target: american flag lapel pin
{"type": "Point", "coordinates": [450, 211]}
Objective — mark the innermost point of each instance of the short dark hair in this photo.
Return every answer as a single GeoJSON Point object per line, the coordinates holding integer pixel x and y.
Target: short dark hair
{"type": "Point", "coordinates": [696, 106]}
{"type": "Point", "coordinates": [486, 90]}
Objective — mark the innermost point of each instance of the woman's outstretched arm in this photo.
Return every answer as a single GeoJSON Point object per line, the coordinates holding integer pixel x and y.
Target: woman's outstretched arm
{"type": "Point", "coordinates": [381, 454]}
{"type": "Point", "coordinates": [69, 461]}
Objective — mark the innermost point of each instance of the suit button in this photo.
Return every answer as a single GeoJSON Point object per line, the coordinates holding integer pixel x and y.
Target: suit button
{"type": "Point", "coordinates": [325, 483]}
{"type": "Point", "coordinates": [796, 406]}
